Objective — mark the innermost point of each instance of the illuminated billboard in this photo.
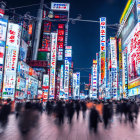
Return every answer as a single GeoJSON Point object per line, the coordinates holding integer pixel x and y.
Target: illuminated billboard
{"type": "Point", "coordinates": [23, 50]}
{"type": "Point", "coordinates": [60, 6]}
{"type": "Point", "coordinates": [61, 78]}
{"type": "Point", "coordinates": [78, 85]}
{"type": "Point", "coordinates": [68, 51]}
{"type": "Point", "coordinates": [102, 46]}
{"type": "Point", "coordinates": [133, 57]}
{"type": "Point", "coordinates": [138, 9]}
{"type": "Point", "coordinates": [3, 29]}
{"type": "Point", "coordinates": [45, 86]}
{"type": "Point", "coordinates": [124, 73]}
{"type": "Point", "coordinates": [12, 50]}
{"type": "Point", "coordinates": [74, 84]}
{"type": "Point", "coordinates": [53, 65]}
{"type": "Point", "coordinates": [60, 41]}
{"type": "Point", "coordinates": [66, 78]}
{"type": "Point", "coordinates": [94, 79]}
{"type": "Point", "coordinates": [113, 47]}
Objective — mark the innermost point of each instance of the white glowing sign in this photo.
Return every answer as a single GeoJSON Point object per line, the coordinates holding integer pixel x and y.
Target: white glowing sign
{"type": "Point", "coordinates": [60, 6]}
{"type": "Point", "coordinates": [12, 50]}
{"type": "Point", "coordinates": [53, 64]}
{"type": "Point", "coordinates": [66, 79]}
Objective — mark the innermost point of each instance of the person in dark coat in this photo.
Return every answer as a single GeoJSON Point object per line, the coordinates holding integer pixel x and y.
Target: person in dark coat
{"type": "Point", "coordinates": [84, 108]}
{"type": "Point", "coordinates": [136, 111]}
{"type": "Point", "coordinates": [77, 108]}
{"type": "Point", "coordinates": [49, 107]}
{"type": "Point", "coordinates": [18, 109]}
{"type": "Point", "coordinates": [106, 114]}
{"type": "Point", "coordinates": [60, 112]}
{"type": "Point", "coordinates": [94, 118]}
{"type": "Point", "coordinates": [70, 111]}
{"type": "Point", "coordinates": [4, 113]}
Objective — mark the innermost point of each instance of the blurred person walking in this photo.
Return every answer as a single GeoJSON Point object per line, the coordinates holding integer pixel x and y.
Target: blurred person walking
{"type": "Point", "coordinates": [77, 108]}
{"type": "Point", "coordinates": [94, 119]}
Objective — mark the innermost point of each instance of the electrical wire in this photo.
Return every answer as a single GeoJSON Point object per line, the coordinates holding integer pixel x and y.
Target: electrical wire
{"type": "Point", "coordinates": [22, 7]}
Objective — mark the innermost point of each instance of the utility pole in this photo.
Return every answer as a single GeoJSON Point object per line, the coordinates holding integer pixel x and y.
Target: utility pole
{"type": "Point", "coordinates": [37, 31]}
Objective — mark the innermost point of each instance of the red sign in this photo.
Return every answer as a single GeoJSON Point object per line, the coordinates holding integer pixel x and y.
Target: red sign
{"type": "Point", "coordinates": [38, 63]}
{"type": "Point", "coordinates": [30, 29]}
{"type": "Point", "coordinates": [60, 32]}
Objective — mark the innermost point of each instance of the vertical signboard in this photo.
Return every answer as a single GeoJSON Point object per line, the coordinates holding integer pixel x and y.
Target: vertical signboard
{"type": "Point", "coordinates": [53, 65]}
{"type": "Point", "coordinates": [120, 66]}
{"type": "Point", "coordinates": [45, 86]}
{"type": "Point", "coordinates": [102, 47]}
{"type": "Point", "coordinates": [74, 84]}
{"type": "Point", "coordinates": [66, 78]}
{"type": "Point", "coordinates": [61, 78]}
{"type": "Point", "coordinates": [3, 28]}
{"type": "Point", "coordinates": [94, 79]}
{"type": "Point", "coordinates": [12, 50]}
{"type": "Point", "coordinates": [125, 73]}
{"type": "Point", "coordinates": [60, 41]}
{"type": "Point", "coordinates": [78, 85]}
{"type": "Point", "coordinates": [113, 47]}
{"type": "Point", "coordinates": [138, 9]}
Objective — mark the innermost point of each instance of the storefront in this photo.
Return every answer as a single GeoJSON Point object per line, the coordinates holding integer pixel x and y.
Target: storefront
{"type": "Point", "coordinates": [129, 39]}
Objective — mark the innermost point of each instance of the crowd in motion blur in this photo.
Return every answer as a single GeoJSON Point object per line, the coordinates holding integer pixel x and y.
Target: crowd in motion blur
{"type": "Point", "coordinates": [28, 113]}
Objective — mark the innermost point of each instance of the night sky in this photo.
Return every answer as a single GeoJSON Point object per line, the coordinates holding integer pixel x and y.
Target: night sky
{"type": "Point", "coordinates": [83, 36]}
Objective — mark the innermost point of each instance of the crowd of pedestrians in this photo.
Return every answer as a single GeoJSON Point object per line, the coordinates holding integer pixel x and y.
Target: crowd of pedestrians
{"type": "Point", "coordinates": [28, 113]}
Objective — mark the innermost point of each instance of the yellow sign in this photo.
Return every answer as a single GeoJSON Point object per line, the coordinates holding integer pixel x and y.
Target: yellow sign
{"type": "Point", "coordinates": [125, 10]}
{"type": "Point", "coordinates": [134, 84]}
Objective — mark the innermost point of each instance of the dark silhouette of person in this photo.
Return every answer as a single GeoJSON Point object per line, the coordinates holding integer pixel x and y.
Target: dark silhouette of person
{"type": "Point", "coordinates": [5, 111]}
{"type": "Point", "coordinates": [70, 111]}
{"type": "Point", "coordinates": [77, 108]}
{"type": "Point", "coordinates": [136, 111]}
{"type": "Point", "coordinates": [18, 109]}
{"type": "Point", "coordinates": [84, 108]}
{"type": "Point", "coordinates": [106, 114]}
{"type": "Point", "coordinates": [60, 112]}
{"type": "Point", "coordinates": [94, 119]}
{"type": "Point", "coordinates": [49, 107]}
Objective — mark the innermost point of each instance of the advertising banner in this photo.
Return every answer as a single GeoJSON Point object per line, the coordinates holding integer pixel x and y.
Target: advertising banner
{"type": "Point", "coordinates": [138, 9]}
{"type": "Point", "coordinates": [23, 51]}
{"type": "Point", "coordinates": [3, 30]}
{"type": "Point", "coordinates": [133, 57]}
{"type": "Point", "coordinates": [9, 85]}
{"type": "Point", "coordinates": [21, 84]}
{"type": "Point", "coordinates": [94, 79]}
{"type": "Point", "coordinates": [45, 86]}
{"type": "Point", "coordinates": [68, 52]}
{"type": "Point", "coordinates": [60, 41]}
{"type": "Point", "coordinates": [33, 86]}
{"type": "Point", "coordinates": [134, 91]}
{"type": "Point", "coordinates": [74, 84]}
{"type": "Point", "coordinates": [61, 78]}
{"type": "Point", "coordinates": [60, 6]}
{"type": "Point", "coordinates": [46, 80]}
{"type": "Point", "coordinates": [12, 50]}
{"type": "Point", "coordinates": [78, 85]}
{"type": "Point", "coordinates": [66, 78]}
{"type": "Point", "coordinates": [2, 49]}
{"type": "Point", "coordinates": [102, 46]}
{"type": "Point", "coordinates": [53, 65]}
{"type": "Point", "coordinates": [125, 73]}
{"type": "Point", "coordinates": [113, 47]}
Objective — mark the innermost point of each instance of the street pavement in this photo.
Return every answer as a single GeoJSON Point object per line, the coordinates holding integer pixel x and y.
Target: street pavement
{"type": "Point", "coordinates": [47, 129]}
